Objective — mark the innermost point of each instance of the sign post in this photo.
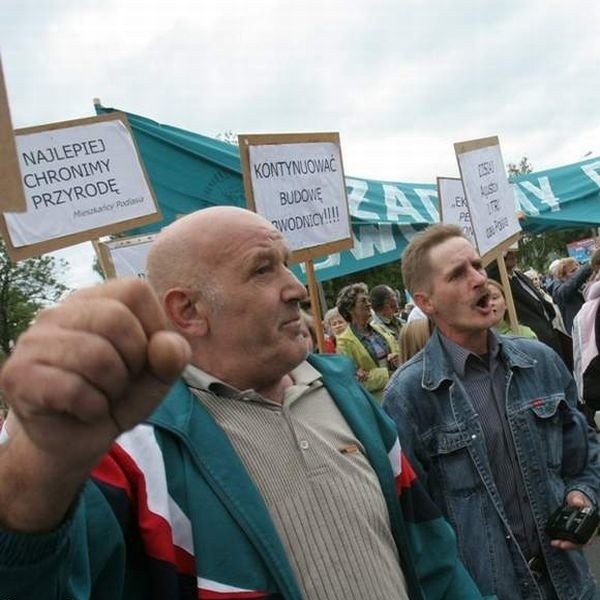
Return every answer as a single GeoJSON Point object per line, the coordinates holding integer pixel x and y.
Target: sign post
{"type": "Point", "coordinates": [296, 181]}
{"type": "Point", "coordinates": [12, 197]}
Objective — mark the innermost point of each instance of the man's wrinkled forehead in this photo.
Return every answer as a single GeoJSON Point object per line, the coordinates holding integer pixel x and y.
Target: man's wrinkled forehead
{"type": "Point", "coordinates": [450, 248]}
{"type": "Point", "coordinates": [244, 241]}
{"type": "Point", "coordinates": [273, 234]}
{"type": "Point", "coordinates": [268, 239]}
{"type": "Point", "coordinates": [273, 237]}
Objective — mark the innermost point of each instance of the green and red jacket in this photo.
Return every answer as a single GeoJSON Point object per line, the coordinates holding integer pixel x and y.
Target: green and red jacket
{"type": "Point", "coordinates": [171, 513]}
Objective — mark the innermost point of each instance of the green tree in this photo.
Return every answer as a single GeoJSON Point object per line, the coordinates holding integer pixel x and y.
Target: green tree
{"type": "Point", "coordinates": [390, 274]}
{"type": "Point", "coordinates": [522, 168]}
{"type": "Point", "coordinates": [228, 136]}
{"type": "Point", "coordinates": [97, 268]}
{"type": "Point", "coordinates": [25, 287]}
{"type": "Point", "coordinates": [537, 251]}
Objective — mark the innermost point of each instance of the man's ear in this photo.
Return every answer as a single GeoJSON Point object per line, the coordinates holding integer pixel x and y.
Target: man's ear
{"type": "Point", "coordinates": [187, 313]}
{"type": "Point", "coordinates": [423, 301]}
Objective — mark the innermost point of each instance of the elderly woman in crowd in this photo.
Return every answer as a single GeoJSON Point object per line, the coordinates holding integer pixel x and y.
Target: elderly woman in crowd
{"type": "Point", "coordinates": [536, 280]}
{"type": "Point", "coordinates": [373, 349]}
{"type": "Point", "coordinates": [498, 304]}
{"type": "Point", "coordinates": [334, 324]}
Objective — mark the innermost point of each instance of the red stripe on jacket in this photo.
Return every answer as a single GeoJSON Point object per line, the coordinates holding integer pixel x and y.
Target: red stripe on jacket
{"type": "Point", "coordinates": [120, 470]}
{"type": "Point", "coordinates": [407, 475]}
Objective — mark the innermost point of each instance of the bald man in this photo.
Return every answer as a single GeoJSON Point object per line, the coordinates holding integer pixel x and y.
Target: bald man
{"type": "Point", "coordinates": [176, 443]}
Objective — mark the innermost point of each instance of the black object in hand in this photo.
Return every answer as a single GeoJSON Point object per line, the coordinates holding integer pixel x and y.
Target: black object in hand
{"type": "Point", "coordinates": [573, 524]}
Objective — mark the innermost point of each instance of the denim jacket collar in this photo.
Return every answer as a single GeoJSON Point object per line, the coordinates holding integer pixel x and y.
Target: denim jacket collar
{"type": "Point", "coordinates": [437, 366]}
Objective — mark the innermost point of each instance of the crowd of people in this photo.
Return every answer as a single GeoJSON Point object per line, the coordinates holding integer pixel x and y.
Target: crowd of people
{"type": "Point", "coordinates": [182, 437]}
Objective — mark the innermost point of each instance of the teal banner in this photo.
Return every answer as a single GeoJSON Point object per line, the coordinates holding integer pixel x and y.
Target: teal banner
{"type": "Point", "coordinates": [190, 171]}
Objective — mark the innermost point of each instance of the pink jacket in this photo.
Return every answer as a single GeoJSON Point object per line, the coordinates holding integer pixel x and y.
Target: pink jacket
{"type": "Point", "coordinates": [584, 335]}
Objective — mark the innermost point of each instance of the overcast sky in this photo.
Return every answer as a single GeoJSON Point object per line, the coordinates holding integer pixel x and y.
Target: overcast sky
{"type": "Point", "coordinates": [401, 81]}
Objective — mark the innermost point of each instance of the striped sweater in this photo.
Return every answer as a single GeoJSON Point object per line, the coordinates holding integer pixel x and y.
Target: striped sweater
{"type": "Point", "coordinates": [170, 513]}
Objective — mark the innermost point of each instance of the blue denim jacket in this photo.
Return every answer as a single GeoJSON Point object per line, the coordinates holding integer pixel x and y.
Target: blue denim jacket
{"type": "Point", "coordinates": [556, 450]}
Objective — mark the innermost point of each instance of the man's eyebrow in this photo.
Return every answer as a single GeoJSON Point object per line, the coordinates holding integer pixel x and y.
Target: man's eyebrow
{"type": "Point", "coordinates": [269, 254]}
{"type": "Point", "coordinates": [455, 271]}
{"type": "Point", "coordinates": [261, 255]}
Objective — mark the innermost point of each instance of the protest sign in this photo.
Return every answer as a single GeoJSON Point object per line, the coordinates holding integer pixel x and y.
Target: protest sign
{"type": "Point", "coordinates": [12, 196]}
{"type": "Point", "coordinates": [124, 257]}
{"type": "Point", "coordinates": [453, 205]}
{"type": "Point", "coordinates": [489, 195]}
{"type": "Point", "coordinates": [296, 181]}
{"type": "Point", "coordinates": [82, 179]}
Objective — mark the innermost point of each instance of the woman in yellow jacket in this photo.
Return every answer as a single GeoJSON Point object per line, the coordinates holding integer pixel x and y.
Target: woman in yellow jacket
{"type": "Point", "coordinates": [373, 349]}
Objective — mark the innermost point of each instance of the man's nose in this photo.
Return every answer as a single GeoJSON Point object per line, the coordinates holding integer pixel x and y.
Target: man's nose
{"type": "Point", "coordinates": [480, 276]}
{"type": "Point", "coordinates": [293, 288]}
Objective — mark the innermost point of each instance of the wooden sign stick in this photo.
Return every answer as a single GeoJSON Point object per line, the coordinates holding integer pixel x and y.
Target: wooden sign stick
{"type": "Point", "coordinates": [316, 305]}
{"type": "Point", "coordinates": [510, 304]}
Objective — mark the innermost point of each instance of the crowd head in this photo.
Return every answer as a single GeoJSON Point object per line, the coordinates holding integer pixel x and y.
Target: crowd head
{"type": "Point", "coordinates": [353, 302]}
{"type": "Point", "coordinates": [534, 277]}
{"type": "Point", "coordinates": [497, 300]}
{"type": "Point", "coordinates": [384, 300]}
{"type": "Point", "coordinates": [230, 300]}
{"type": "Point", "coordinates": [334, 322]}
{"type": "Point", "coordinates": [413, 337]}
{"type": "Point", "coordinates": [566, 268]}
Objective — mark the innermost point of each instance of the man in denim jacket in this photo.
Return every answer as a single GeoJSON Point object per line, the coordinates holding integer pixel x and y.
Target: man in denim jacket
{"type": "Point", "coordinates": [491, 421]}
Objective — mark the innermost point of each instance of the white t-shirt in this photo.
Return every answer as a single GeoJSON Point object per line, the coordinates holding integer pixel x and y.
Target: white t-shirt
{"type": "Point", "coordinates": [415, 314]}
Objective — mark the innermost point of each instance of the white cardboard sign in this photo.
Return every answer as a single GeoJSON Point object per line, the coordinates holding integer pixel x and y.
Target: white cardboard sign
{"type": "Point", "coordinates": [300, 189]}
{"type": "Point", "coordinates": [128, 255]}
{"type": "Point", "coordinates": [78, 178]}
{"type": "Point", "coordinates": [488, 192]}
{"type": "Point", "coordinates": [453, 205]}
